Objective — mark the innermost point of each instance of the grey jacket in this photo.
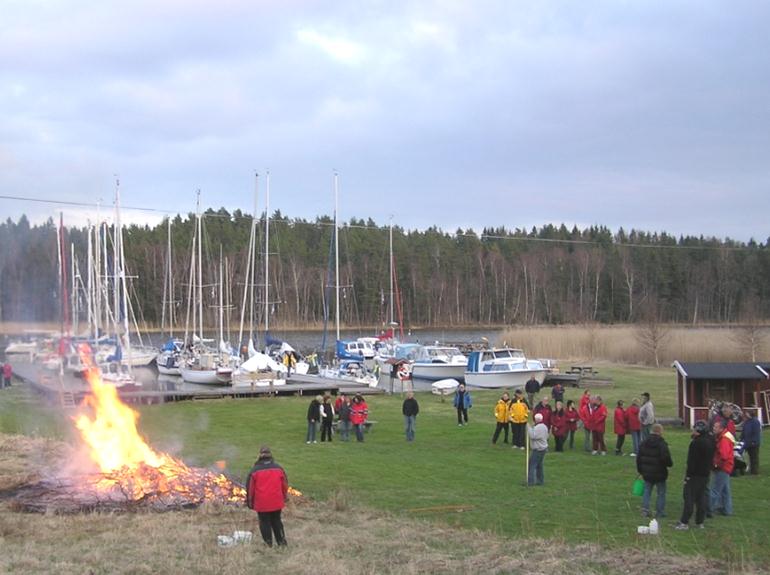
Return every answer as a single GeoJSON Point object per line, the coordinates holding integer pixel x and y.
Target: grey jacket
{"type": "Point", "coordinates": [647, 414]}
{"type": "Point", "coordinates": [538, 437]}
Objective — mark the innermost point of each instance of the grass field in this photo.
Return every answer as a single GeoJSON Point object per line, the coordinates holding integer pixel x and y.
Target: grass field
{"type": "Point", "coordinates": [586, 498]}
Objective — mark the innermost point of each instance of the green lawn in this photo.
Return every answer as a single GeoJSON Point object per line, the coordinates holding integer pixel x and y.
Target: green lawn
{"type": "Point", "coordinates": [586, 498]}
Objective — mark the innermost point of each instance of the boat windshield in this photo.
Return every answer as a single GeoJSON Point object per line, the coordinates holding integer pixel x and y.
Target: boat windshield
{"type": "Point", "coordinates": [408, 351]}
{"type": "Point", "coordinates": [509, 354]}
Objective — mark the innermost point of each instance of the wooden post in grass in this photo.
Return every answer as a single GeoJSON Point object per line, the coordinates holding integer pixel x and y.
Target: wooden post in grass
{"type": "Point", "coordinates": [526, 459]}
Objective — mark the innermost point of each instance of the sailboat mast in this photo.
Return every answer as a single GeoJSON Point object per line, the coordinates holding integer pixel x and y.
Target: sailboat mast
{"type": "Point", "coordinates": [390, 257]}
{"type": "Point", "coordinates": [248, 288]}
{"type": "Point", "coordinates": [336, 256]}
{"type": "Point", "coordinates": [200, 266]}
{"type": "Point", "coordinates": [123, 285]}
{"type": "Point", "coordinates": [267, 255]}
{"type": "Point", "coordinates": [221, 299]}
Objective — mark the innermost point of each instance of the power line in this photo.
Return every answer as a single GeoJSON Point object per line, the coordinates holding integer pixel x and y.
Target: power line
{"type": "Point", "coordinates": [480, 237]}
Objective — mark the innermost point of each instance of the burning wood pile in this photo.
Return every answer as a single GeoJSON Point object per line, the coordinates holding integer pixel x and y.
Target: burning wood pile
{"type": "Point", "coordinates": [124, 473]}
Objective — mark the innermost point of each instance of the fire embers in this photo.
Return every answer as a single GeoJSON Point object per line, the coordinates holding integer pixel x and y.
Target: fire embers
{"type": "Point", "coordinates": [131, 475]}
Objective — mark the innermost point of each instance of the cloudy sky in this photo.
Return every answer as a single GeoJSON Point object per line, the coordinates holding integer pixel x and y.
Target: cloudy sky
{"type": "Point", "coordinates": [652, 115]}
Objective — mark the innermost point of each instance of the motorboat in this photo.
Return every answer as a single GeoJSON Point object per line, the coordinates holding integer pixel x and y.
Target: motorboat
{"type": "Point", "coordinates": [435, 362]}
{"type": "Point", "coordinates": [502, 367]}
{"type": "Point", "coordinates": [169, 359]}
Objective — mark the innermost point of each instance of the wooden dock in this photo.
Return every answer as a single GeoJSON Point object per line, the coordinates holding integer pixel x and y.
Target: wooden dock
{"type": "Point", "coordinates": [68, 390]}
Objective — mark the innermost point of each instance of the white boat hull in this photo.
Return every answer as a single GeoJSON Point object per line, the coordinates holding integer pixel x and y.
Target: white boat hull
{"type": "Point", "coordinates": [437, 371]}
{"type": "Point", "coordinates": [444, 387]}
{"type": "Point", "coordinates": [207, 376]}
{"type": "Point", "coordinates": [503, 379]}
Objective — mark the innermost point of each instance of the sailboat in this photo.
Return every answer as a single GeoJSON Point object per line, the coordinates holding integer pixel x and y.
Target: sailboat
{"type": "Point", "coordinates": [201, 364]}
{"type": "Point", "coordinates": [169, 358]}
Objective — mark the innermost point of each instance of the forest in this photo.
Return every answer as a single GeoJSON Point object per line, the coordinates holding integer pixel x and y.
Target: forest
{"type": "Point", "coordinates": [547, 275]}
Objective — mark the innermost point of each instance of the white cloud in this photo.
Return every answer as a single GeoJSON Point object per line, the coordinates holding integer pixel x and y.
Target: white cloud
{"type": "Point", "coordinates": [336, 47]}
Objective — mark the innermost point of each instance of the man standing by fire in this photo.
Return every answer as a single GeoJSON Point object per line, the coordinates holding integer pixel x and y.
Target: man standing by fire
{"type": "Point", "coordinates": [267, 489]}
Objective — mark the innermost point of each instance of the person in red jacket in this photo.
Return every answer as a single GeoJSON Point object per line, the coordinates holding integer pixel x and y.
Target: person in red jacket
{"type": "Point", "coordinates": [545, 409]}
{"type": "Point", "coordinates": [572, 422]}
{"type": "Point", "coordinates": [585, 416]}
{"type": "Point", "coordinates": [619, 427]}
{"type": "Point", "coordinates": [559, 425]}
{"type": "Point", "coordinates": [634, 426]}
{"type": "Point", "coordinates": [267, 489]}
{"type": "Point", "coordinates": [724, 461]}
{"type": "Point", "coordinates": [358, 415]}
{"type": "Point", "coordinates": [598, 421]}
{"type": "Point", "coordinates": [7, 374]}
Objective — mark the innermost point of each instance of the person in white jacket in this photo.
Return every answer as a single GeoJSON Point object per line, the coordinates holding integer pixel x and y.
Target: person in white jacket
{"type": "Point", "coordinates": [538, 440]}
{"type": "Point", "coordinates": [646, 415]}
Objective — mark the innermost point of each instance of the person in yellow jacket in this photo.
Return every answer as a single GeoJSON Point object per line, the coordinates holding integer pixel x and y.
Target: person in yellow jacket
{"type": "Point", "coordinates": [502, 416]}
{"type": "Point", "coordinates": [519, 414]}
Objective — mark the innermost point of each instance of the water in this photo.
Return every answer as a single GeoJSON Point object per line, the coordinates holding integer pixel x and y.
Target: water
{"type": "Point", "coordinates": [308, 341]}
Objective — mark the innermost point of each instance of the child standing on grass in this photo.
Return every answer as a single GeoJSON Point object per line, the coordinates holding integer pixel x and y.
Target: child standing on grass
{"type": "Point", "coordinates": [619, 427]}
{"type": "Point", "coordinates": [572, 422]}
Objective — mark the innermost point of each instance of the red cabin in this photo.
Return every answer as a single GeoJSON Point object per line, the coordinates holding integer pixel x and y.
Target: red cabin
{"type": "Point", "coordinates": [745, 384]}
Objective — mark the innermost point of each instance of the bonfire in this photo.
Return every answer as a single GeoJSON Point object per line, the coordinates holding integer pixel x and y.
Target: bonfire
{"type": "Point", "coordinates": [124, 472]}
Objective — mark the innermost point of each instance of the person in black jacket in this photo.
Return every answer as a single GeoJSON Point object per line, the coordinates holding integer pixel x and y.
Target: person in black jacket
{"type": "Point", "coordinates": [699, 458]}
{"type": "Point", "coordinates": [313, 417]}
{"type": "Point", "coordinates": [410, 409]}
{"type": "Point", "coordinates": [652, 463]}
{"type": "Point", "coordinates": [532, 387]}
{"type": "Point", "coordinates": [327, 418]}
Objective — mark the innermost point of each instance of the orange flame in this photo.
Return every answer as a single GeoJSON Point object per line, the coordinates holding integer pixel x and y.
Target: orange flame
{"type": "Point", "coordinates": [125, 459]}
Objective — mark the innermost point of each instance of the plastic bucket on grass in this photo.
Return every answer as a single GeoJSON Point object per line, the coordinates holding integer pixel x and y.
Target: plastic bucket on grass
{"type": "Point", "coordinates": [638, 487]}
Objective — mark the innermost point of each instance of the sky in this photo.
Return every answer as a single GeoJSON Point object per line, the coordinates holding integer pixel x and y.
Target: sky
{"type": "Point", "coordinates": [651, 115]}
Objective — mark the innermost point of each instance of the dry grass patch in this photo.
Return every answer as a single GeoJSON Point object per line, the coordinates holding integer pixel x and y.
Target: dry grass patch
{"type": "Point", "coordinates": [334, 536]}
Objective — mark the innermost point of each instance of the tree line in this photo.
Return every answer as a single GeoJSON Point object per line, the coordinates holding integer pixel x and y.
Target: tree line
{"type": "Point", "coordinates": [546, 275]}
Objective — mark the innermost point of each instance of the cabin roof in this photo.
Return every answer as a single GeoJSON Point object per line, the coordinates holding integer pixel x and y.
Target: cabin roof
{"type": "Point", "coordinates": [723, 370]}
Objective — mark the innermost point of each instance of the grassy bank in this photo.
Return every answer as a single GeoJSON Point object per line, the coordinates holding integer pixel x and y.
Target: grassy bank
{"type": "Point", "coordinates": [586, 499]}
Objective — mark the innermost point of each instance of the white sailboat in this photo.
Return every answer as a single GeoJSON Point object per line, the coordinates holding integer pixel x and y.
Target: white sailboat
{"type": "Point", "coordinates": [202, 364]}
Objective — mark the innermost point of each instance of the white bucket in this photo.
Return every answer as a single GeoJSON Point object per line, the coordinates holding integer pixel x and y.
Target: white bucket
{"type": "Point", "coordinates": [643, 530]}
{"type": "Point", "coordinates": [242, 536]}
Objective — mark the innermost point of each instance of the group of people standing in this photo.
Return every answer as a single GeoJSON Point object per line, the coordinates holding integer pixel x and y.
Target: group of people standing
{"type": "Point", "coordinates": [350, 415]}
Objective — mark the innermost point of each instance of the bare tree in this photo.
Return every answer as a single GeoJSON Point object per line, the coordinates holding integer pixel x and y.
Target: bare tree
{"type": "Point", "coordinates": [652, 334]}
{"type": "Point", "coordinates": [750, 335]}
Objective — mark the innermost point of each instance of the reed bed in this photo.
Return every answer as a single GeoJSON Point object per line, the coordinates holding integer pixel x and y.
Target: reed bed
{"type": "Point", "coordinates": [625, 344]}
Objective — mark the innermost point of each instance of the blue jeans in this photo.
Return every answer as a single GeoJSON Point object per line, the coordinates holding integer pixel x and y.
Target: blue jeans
{"type": "Point", "coordinates": [345, 430]}
{"type": "Point", "coordinates": [660, 503]}
{"type": "Point", "coordinates": [409, 421]}
{"type": "Point", "coordinates": [646, 429]}
{"type": "Point", "coordinates": [721, 496]}
{"type": "Point", "coordinates": [535, 475]}
{"type": "Point", "coordinates": [359, 431]}
{"type": "Point", "coordinates": [311, 429]}
{"type": "Point", "coordinates": [636, 437]}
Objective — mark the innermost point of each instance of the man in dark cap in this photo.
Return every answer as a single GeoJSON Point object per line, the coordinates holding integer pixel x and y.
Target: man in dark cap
{"type": "Point", "coordinates": [267, 489]}
{"type": "Point", "coordinates": [699, 457]}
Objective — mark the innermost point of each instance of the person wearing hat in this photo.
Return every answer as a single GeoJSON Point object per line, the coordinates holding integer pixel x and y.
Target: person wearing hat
{"type": "Point", "coordinates": [538, 438]}
{"type": "Point", "coordinates": [696, 478]}
{"type": "Point", "coordinates": [267, 489]}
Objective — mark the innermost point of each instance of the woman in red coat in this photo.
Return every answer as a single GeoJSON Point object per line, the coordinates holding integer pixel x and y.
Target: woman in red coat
{"type": "Point", "coordinates": [598, 420]}
{"type": "Point", "coordinates": [620, 427]}
{"type": "Point", "coordinates": [585, 416]}
{"type": "Point", "coordinates": [572, 422]}
{"type": "Point", "coordinates": [358, 414]}
{"type": "Point", "coordinates": [559, 425]}
{"type": "Point", "coordinates": [634, 426]}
